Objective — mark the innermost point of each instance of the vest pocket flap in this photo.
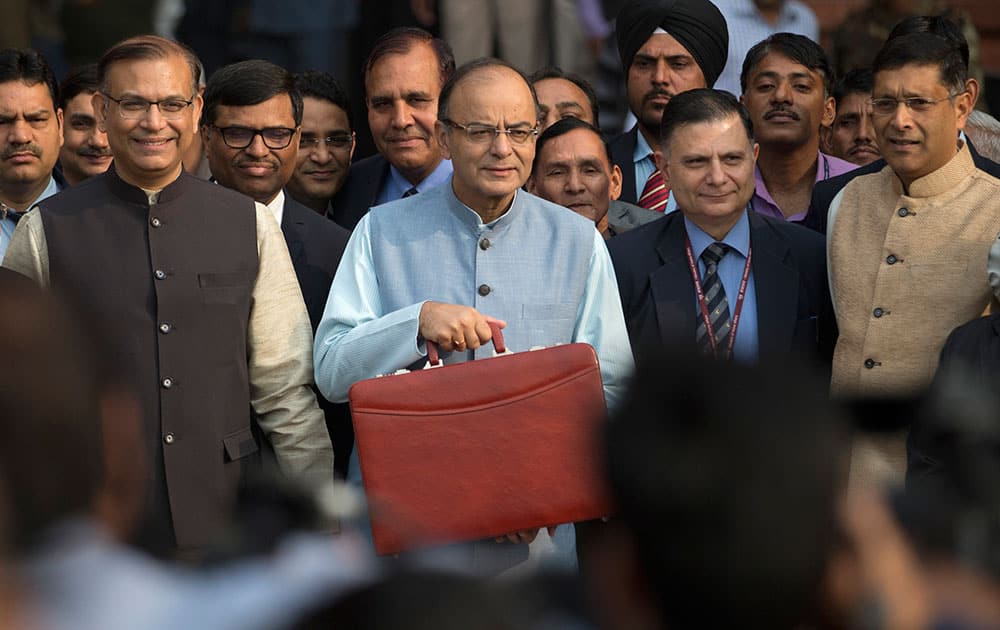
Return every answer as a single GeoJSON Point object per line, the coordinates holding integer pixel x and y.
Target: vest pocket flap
{"type": "Point", "coordinates": [239, 444]}
{"type": "Point", "coordinates": [219, 280]}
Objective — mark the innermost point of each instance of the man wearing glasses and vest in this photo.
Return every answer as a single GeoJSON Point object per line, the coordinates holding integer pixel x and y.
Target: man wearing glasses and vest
{"type": "Point", "coordinates": [908, 245]}
{"type": "Point", "coordinates": [195, 284]}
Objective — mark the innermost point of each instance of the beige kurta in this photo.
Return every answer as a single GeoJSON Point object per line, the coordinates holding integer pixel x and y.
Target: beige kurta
{"type": "Point", "coordinates": [905, 270]}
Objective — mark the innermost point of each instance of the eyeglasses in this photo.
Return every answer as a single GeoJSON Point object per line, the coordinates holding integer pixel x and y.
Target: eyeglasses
{"type": "Point", "coordinates": [134, 108]}
{"type": "Point", "coordinates": [336, 141]}
{"type": "Point", "coordinates": [242, 137]}
{"type": "Point", "coordinates": [483, 134]}
{"type": "Point", "coordinates": [919, 104]}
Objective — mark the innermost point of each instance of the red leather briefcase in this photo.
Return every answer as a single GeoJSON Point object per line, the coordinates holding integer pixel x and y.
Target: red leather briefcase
{"type": "Point", "coordinates": [482, 448]}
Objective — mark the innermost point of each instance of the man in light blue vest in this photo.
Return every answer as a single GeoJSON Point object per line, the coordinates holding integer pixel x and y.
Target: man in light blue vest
{"type": "Point", "coordinates": [441, 265]}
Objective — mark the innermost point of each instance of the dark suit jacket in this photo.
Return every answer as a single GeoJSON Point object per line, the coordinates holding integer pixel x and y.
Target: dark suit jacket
{"type": "Point", "coordinates": [316, 246]}
{"type": "Point", "coordinates": [623, 217]}
{"type": "Point", "coordinates": [824, 191]}
{"type": "Point", "coordinates": [973, 348]}
{"type": "Point", "coordinates": [622, 150]}
{"type": "Point", "coordinates": [794, 312]}
{"type": "Point", "coordinates": [363, 183]}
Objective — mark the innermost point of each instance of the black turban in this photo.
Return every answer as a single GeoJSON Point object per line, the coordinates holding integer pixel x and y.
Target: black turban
{"type": "Point", "coordinates": [697, 24]}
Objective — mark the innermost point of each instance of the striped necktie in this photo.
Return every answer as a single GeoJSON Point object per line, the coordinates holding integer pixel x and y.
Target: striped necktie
{"type": "Point", "coordinates": [409, 193]}
{"type": "Point", "coordinates": [655, 193]}
{"type": "Point", "coordinates": [6, 212]}
{"type": "Point", "coordinates": [715, 297]}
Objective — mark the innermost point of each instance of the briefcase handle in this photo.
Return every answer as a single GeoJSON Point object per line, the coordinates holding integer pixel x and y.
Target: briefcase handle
{"type": "Point", "coordinates": [432, 348]}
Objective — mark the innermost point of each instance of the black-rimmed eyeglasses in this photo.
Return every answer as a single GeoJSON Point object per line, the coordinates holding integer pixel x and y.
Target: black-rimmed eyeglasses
{"type": "Point", "coordinates": [134, 108]}
{"type": "Point", "coordinates": [483, 134]}
{"type": "Point", "coordinates": [242, 137]}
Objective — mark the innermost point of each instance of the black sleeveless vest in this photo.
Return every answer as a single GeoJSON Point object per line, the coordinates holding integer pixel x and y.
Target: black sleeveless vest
{"type": "Point", "coordinates": [172, 283]}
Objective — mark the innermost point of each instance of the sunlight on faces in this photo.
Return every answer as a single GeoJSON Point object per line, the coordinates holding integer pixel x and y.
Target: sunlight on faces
{"type": "Point", "coordinates": [30, 134]}
{"type": "Point", "coordinates": [148, 151]}
{"type": "Point", "coordinates": [402, 95]}
{"type": "Point", "coordinates": [786, 101]}
{"type": "Point", "coordinates": [709, 167]}
{"type": "Point", "coordinates": [321, 169]}
{"type": "Point", "coordinates": [572, 170]}
{"type": "Point", "coordinates": [660, 69]}
{"type": "Point", "coordinates": [851, 137]}
{"type": "Point", "coordinates": [916, 144]}
{"type": "Point", "coordinates": [561, 98]}
{"type": "Point", "coordinates": [487, 175]}
{"type": "Point", "coordinates": [256, 171]}
{"type": "Point", "coordinates": [85, 151]}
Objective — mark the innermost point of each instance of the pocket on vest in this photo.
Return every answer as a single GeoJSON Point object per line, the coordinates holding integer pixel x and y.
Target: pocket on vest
{"type": "Point", "coordinates": [223, 288]}
{"type": "Point", "coordinates": [239, 444]}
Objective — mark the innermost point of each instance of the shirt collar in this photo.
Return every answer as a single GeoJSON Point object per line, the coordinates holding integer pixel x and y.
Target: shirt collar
{"type": "Point", "coordinates": [738, 237]}
{"type": "Point", "coordinates": [479, 220]}
{"type": "Point", "coordinates": [51, 189]}
{"type": "Point", "coordinates": [277, 206]}
{"type": "Point", "coordinates": [437, 177]}
{"type": "Point", "coordinates": [760, 187]}
{"type": "Point", "coordinates": [642, 149]}
{"type": "Point", "coordinates": [471, 219]}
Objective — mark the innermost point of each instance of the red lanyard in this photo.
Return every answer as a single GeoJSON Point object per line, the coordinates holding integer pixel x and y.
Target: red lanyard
{"type": "Point", "coordinates": [703, 305]}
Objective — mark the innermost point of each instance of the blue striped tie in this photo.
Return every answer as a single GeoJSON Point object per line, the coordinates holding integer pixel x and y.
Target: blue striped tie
{"type": "Point", "coordinates": [715, 297]}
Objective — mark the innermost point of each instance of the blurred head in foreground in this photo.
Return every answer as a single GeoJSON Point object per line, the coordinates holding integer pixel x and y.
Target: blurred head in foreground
{"type": "Point", "coordinates": [70, 437]}
{"type": "Point", "coordinates": [726, 480]}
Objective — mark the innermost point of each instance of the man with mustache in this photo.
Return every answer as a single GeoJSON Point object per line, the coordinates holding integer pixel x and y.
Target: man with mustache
{"type": "Point", "coordinates": [250, 129]}
{"type": "Point", "coordinates": [666, 47]}
{"type": "Point", "coordinates": [851, 137]}
{"type": "Point", "coordinates": [197, 285]}
{"type": "Point", "coordinates": [30, 136]}
{"type": "Point", "coordinates": [85, 151]}
{"type": "Point", "coordinates": [908, 244]}
{"type": "Point", "coordinates": [403, 77]}
{"type": "Point", "coordinates": [786, 88]}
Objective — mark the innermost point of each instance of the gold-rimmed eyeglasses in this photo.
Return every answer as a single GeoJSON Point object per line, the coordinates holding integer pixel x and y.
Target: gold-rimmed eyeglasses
{"type": "Point", "coordinates": [134, 108]}
{"type": "Point", "coordinates": [483, 134]}
{"type": "Point", "coordinates": [919, 104]}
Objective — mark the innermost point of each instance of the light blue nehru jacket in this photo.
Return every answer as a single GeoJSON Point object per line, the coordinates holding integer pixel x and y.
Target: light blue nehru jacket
{"type": "Point", "coordinates": [549, 277]}
{"type": "Point", "coordinates": [545, 271]}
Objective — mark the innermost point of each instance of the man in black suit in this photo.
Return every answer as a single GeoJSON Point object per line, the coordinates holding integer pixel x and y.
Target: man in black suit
{"type": "Point", "coordinates": [736, 284]}
{"type": "Point", "coordinates": [666, 47]}
{"type": "Point", "coordinates": [250, 128]}
{"type": "Point", "coordinates": [404, 74]}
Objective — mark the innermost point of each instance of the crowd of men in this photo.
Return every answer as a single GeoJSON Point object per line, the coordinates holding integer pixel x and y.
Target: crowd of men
{"type": "Point", "coordinates": [218, 273]}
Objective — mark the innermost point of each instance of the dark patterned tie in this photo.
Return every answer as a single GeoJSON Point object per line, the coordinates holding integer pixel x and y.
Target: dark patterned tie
{"type": "Point", "coordinates": [715, 297]}
{"type": "Point", "coordinates": [655, 193]}
{"type": "Point", "coordinates": [6, 212]}
{"type": "Point", "coordinates": [409, 193]}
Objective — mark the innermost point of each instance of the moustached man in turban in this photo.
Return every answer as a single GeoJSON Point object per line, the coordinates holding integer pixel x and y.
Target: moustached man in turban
{"type": "Point", "coordinates": [666, 47]}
